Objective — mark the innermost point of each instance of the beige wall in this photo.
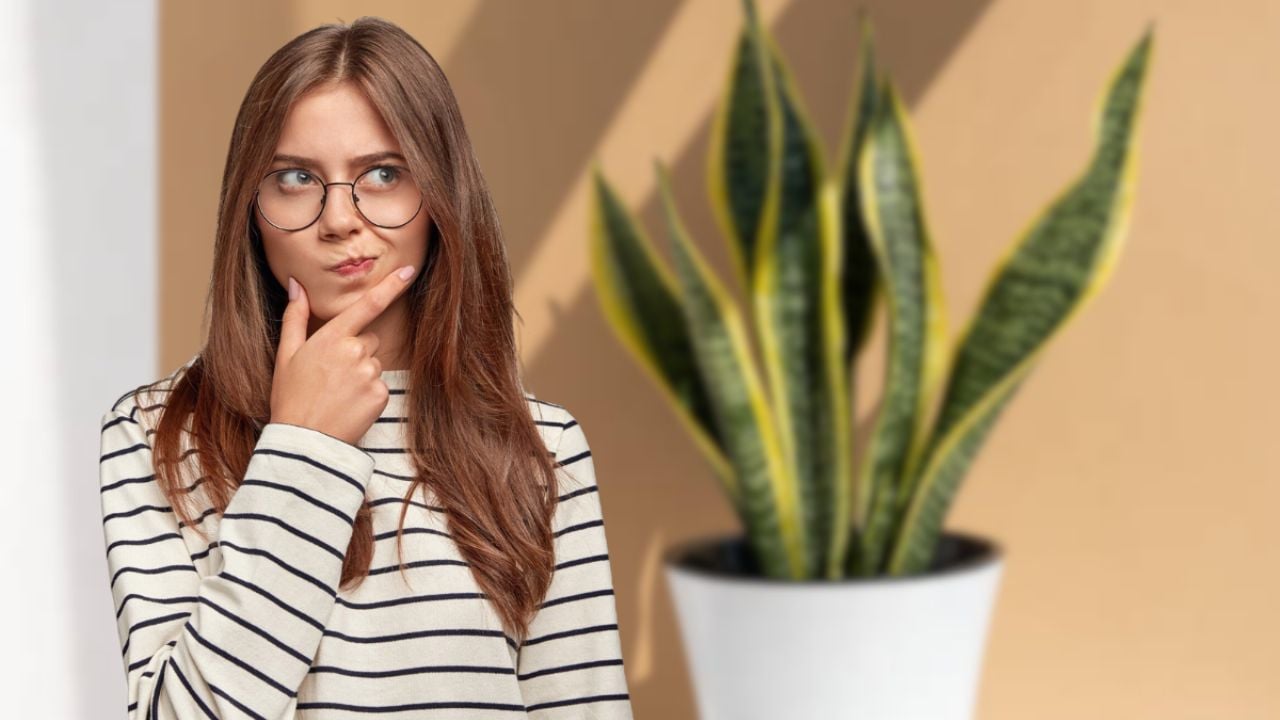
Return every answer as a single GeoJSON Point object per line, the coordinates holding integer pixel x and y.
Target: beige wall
{"type": "Point", "coordinates": [1133, 480]}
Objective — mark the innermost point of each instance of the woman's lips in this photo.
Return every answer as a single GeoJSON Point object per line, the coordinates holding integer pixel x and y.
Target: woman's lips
{"type": "Point", "coordinates": [355, 269]}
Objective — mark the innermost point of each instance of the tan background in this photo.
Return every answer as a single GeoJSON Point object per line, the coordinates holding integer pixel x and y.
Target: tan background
{"type": "Point", "coordinates": [1134, 479]}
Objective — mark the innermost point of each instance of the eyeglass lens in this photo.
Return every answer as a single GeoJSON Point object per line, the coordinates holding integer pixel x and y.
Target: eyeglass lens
{"type": "Point", "coordinates": [293, 199]}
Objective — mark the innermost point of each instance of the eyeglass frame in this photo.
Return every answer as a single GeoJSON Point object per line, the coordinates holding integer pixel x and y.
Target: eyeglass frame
{"type": "Point", "coordinates": [324, 197]}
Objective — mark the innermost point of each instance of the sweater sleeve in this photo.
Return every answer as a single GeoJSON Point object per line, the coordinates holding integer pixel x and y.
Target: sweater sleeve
{"type": "Point", "coordinates": [571, 664]}
{"type": "Point", "coordinates": [239, 642]}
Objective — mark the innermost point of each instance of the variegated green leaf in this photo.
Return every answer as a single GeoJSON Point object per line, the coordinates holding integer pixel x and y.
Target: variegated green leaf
{"type": "Point", "coordinates": [739, 404]}
{"type": "Point", "coordinates": [639, 297]}
{"type": "Point", "coordinates": [892, 204]}
{"type": "Point", "coordinates": [792, 312]}
{"type": "Point", "coordinates": [857, 283]}
{"type": "Point", "coordinates": [858, 267]}
{"type": "Point", "coordinates": [1041, 283]}
{"type": "Point", "coordinates": [839, 383]}
{"type": "Point", "coordinates": [745, 132]}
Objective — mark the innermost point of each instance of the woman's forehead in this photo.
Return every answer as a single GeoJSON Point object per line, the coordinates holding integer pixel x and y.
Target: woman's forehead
{"type": "Point", "coordinates": [336, 125]}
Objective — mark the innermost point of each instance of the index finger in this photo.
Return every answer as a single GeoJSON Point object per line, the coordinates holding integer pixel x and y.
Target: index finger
{"type": "Point", "coordinates": [354, 319]}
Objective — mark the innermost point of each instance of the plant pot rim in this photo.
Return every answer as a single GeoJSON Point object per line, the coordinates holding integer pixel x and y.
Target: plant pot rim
{"type": "Point", "coordinates": [979, 552]}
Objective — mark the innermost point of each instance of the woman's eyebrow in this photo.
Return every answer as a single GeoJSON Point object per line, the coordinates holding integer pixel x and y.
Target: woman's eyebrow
{"type": "Point", "coordinates": [361, 160]}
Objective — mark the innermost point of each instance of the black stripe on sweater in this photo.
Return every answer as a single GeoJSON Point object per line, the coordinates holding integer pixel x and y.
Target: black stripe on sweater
{"type": "Point", "coordinates": [238, 662]}
{"type": "Point", "coordinates": [123, 451]}
{"type": "Point", "coordinates": [126, 481]}
{"type": "Point", "coordinates": [254, 482]}
{"type": "Point", "coordinates": [166, 601]}
{"type": "Point", "coordinates": [315, 463]}
{"type": "Point", "coordinates": [295, 654]}
{"type": "Point", "coordinates": [151, 571]}
{"type": "Point", "coordinates": [191, 691]}
{"type": "Point", "coordinates": [570, 668]}
{"type": "Point", "coordinates": [377, 604]}
{"type": "Point", "coordinates": [269, 596]}
{"type": "Point", "coordinates": [283, 565]}
{"type": "Point", "coordinates": [239, 705]}
{"type": "Point", "coordinates": [446, 632]}
{"type": "Point", "coordinates": [582, 561]}
{"type": "Point", "coordinates": [146, 541]}
{"type": "Point", "coordinates": [570, 633]}
{"type": "Point", "coordinates": [400, 672]}
{"type": "Point", "coordinates": [577, 701]}
{"type": "Point", "coordinates": [453, 705]}
{"type": "Point", "coordinates": [282, 524]}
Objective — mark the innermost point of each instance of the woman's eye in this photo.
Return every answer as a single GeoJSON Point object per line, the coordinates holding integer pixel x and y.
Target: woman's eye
{"type": "Point", "coordinates": [382, 176]}
{"type": "Point", "coordinates": [294, 178]}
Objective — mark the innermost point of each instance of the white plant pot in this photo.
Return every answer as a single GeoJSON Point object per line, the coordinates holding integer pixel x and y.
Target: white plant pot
{"type": "Point", "coordinates": [883, 648]}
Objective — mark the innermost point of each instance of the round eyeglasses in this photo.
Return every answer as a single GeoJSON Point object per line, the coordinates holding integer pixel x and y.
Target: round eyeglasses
{"type": "Point", "coordinates": [292, 199]}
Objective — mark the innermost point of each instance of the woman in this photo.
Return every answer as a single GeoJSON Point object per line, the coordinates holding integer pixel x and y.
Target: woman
{"type": "Point", "coordinates": [347, 502]}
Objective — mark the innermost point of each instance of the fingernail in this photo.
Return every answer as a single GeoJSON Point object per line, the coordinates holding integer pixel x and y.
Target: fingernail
{"type": "Point", "coordinates": [293, 288]}
{"type": "Point", "coordinates": [405, 272]}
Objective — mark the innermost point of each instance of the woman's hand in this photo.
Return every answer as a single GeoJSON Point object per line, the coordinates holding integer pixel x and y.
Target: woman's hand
{"type": "Point", "coordinates": [331, 382]}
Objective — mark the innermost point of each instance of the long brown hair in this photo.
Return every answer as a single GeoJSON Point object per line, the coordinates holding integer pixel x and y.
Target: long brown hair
{"type": "Point", "coordinates": [468, 425]}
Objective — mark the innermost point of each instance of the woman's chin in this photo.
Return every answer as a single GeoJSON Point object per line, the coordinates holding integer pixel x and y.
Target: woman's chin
{"type": "Point", "coordinates": [334, 303]}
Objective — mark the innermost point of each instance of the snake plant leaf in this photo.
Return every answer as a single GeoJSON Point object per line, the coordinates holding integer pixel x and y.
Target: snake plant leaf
{"type": "Point", "coordinates": [893, 207]}
{"type": "Point", "coordinates": [640, 298]}
{"type": "Point", "coordinates": [839, 382]}
{"type": "Point", "coordinates": [858, 267]}
{"type": "Point", "coordinates": [745, 135]}
{"type": "Point", "coordinates": [1043, 280]}
{"type": "Point", "coordinates": [858, 280]}
{"type": "Point", "coordinates": [792, 308]}
{"type": "Point", "coordinates": [751, 440]}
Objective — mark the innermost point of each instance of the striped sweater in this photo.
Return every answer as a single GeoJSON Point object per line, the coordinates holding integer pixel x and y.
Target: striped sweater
{"type": "Point", "coordinates": [253, 624]}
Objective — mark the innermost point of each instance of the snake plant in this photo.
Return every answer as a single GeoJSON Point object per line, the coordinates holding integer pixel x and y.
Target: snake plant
{"type": "Point", "coordinates": [816, 251]}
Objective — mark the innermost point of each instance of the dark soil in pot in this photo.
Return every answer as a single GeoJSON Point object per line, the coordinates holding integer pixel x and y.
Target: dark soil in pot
{"type": "Point", "coordinates": [729, 557]}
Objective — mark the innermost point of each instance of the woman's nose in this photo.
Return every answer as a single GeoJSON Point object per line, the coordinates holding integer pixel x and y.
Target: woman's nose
{"type": "Point", "coordinates": [339, 212]}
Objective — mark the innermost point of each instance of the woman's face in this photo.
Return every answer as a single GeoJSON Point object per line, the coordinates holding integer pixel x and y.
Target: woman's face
{"type": "Point", "coordinates": [325, 132]}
